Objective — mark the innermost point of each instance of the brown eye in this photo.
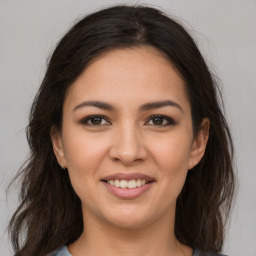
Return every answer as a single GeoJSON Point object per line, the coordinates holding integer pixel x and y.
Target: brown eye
{"type": "Point", "coordinates": [94, 121]}
{"type": "Point", "coordinates": [160, 120]}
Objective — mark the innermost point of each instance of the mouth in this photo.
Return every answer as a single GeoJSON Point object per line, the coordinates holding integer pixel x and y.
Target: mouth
{"type": "Point", "coordinates": [127, 183]}
{"type": "Point", "coordinates": [128, 186]}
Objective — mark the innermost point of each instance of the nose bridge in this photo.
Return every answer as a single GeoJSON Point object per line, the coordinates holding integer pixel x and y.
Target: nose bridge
{"type": "Point", "coordinates": [128, 143]}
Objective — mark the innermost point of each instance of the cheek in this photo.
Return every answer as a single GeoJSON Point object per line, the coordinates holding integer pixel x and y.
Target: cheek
{"type": "Point", "coordinates": [82, 149]}
{"type": "Point", "coordinates": [172, 158]}
{"type": "Point", "coordinates": [173, 153]}
{"type": "Point", "coordinates": [83, 153]}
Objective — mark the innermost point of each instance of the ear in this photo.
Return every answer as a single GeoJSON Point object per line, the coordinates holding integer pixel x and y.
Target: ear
{"type": "Point", "coordinates": [58, 146]}
{"type": "Point", "coordinates": [199, 143]}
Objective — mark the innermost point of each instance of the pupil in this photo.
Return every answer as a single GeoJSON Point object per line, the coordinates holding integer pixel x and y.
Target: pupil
{"type": "Point", "coordinates": [159, 120]}
{"type": "Point", "coordinates": [96, 120]}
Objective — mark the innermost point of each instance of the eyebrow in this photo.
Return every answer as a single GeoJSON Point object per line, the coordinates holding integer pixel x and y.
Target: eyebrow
{"type": "Point", "coordinates": [95, 103]}
{"type": "Point", "coordinates": [144, 107]}
{"type": "Point", "coordinates": [159, 104]}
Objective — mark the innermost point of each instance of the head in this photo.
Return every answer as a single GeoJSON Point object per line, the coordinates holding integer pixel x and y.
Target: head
{"type": "Point", "coordinates": [115, 35]}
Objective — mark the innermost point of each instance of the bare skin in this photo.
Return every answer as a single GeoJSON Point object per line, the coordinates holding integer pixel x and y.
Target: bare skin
{"type": "Point", "coordinates": [128, 139]}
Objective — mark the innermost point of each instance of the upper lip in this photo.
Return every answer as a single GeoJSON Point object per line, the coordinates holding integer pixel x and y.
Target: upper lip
{"type": "Point", "coordinates": [128, 176]}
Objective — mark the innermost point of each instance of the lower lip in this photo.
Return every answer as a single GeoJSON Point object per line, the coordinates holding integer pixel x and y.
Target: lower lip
{"type": "Point", "coordinates": [128, 193]}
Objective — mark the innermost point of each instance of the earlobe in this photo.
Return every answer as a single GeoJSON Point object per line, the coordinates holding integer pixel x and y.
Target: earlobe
{"type": "Point", "coordinates": [199, 143]}
{"type": "Point", "coordinates": [58, 146]}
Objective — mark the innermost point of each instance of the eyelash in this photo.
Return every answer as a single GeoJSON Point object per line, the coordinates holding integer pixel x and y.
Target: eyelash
{"type": "Point", "coordinates": [83, 121]}
{"type": "Point", "coordinates": [170, 121]}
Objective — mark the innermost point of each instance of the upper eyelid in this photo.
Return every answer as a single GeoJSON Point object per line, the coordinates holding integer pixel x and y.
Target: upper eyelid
{"type": "Point", "coordinates": [93, 116]}
{"type": "Point", "coordinates": [168, 118]}
{"type": "Point", "coordinates": [160, 115]}
{"type": "Point", "coordinates": [149, 118]}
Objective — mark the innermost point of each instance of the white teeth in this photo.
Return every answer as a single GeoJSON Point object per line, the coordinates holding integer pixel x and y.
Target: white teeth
{"type": "Point", "coordinates": [132, 184]}
{"type": "Point", "coordinates": [117, 183]}
{"type": "Point", "coordinates": [123, 183]}
{"type": "Point", "coordinates": [126, 183]}
{"type": "Point", "coordinates": [138, 183]}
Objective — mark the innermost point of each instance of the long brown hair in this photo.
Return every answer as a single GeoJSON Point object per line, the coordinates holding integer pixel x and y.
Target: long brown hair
{"type": "Point", "coordinates": [50, 214]}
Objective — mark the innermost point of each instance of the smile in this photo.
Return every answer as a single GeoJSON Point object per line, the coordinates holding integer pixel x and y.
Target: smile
{"type": "Point", "coordinates": [128, 186]}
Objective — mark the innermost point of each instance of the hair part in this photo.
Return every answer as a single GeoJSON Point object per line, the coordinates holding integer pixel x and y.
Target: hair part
{"type": "Point", "coordinates": [50, 214]}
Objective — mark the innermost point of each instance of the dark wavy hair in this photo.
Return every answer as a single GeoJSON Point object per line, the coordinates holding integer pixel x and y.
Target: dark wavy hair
{"type": "Point", "coordinates": [49, 214]}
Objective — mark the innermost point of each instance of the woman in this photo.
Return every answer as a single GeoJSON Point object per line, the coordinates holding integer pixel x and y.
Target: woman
{"type": "Point", "coordinates": [130, 151]}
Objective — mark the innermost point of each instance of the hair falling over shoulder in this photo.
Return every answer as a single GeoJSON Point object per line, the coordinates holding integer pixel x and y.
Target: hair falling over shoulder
{"type": "Point", "coordinates": [49, 214]}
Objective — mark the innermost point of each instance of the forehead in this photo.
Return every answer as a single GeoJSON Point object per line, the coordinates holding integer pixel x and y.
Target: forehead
{"type": "Point", "coordinates": [130, 74]}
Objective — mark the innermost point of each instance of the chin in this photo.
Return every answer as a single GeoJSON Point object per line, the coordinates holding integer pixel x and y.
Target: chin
{"type": "Point", "coordinates": [129, 218]}
{"type": "Point", "coordinates": [131, 223]}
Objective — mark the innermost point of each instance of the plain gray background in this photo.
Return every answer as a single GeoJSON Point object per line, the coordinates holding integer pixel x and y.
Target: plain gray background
{"type": "Point", "coordinates": [226, 34]}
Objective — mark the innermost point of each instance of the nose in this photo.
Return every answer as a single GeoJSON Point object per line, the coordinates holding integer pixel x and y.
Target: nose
{"type": "Point", "coordinates": [127, 145]}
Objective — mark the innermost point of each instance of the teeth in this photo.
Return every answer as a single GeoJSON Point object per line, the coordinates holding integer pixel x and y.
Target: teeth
{"type": "Point", "coordinates": [123, 183]}
{"type": "Point", "coordinates": [117, 183]}
{"type": "Point", "coordinates": [132, 184]}
{"type": "Point", "coordinates": [127, 184]}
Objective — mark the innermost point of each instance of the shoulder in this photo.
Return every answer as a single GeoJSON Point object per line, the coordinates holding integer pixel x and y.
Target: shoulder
{"type": "Point", "coordinates": [198, 252]}
{"type": "Point", "coordinates": [62, 251]}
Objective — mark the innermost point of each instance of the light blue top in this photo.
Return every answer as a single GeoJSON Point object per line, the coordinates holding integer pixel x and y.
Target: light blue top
{"type": "Point", "coordinates": [63, 251]}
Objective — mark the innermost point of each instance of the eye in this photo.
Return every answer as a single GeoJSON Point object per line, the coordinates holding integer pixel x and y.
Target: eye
{"type": "Point", "coordinates": [95, 120]}
{"type": "Point", "coordinates": [161, 120]}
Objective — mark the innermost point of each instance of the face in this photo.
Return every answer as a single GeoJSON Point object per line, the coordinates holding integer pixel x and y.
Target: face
{"type": "Point", "coordinates": [127, 122]}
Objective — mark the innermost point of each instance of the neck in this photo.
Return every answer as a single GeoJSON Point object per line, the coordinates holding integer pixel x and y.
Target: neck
{"type": "Point", "coordinates": [101, 238]}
